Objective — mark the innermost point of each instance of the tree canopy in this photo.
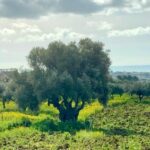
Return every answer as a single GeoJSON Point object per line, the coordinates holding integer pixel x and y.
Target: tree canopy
{"type": "Point", "coordinates": [70, 75]}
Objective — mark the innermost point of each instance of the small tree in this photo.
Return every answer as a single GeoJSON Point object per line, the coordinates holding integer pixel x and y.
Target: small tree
{"type": "Point", "coordinates": [70, 75]}
{"type": "Point", "coordinates": [1, 94]}
{"type": "Point", "coordinates": [141, 90]}
{"type": "Point", "coordinates": [116, 89]}
{"type": "Point", "coordinates": [24, 93]}
{"type": "Point", "coordinates": [5, 93]}
{"type": "Point", "coordinates": [6, 96]}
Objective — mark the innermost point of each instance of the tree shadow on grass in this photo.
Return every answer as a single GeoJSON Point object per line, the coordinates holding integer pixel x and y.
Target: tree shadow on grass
{"type": "Point", "coordinates": [117, 104]}
{"type": "Point", "coordinates": [122, 132]}
{"type": "Point", "coordinates": [8, 110]}
{"type": "Point", "coordinates": [48, 112]}
{"type": "Point", "coordinates": [146, 102]}
{"type": "Point", "coordinates": [73, 127]}
{"type": "Point", "coordinates": [49, 125]}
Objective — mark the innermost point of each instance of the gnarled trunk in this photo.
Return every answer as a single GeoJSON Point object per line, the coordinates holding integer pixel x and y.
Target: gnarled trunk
{"type": "Point", "coordinates": [69, 115]}
{"type": "Point", "coordinates": [66, 111]}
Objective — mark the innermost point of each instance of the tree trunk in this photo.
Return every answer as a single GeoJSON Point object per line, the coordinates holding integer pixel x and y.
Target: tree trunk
{"type": "Point", "coordinates": [48, 102]}
{"type": "Point", "coordinates": [66, 111]}
{"type": "Point", "coordinates": [69, 115]}
{"type": "Point", "coordinates": [140, 97]}
{"type": "Point", "coordinates": [103, 101]}
{"type": "Point", "coordinates": [4, 106]}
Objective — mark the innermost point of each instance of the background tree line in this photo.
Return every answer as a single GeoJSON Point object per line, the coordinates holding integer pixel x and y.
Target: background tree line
{"type": "Point", "coordinates": [131, 85]}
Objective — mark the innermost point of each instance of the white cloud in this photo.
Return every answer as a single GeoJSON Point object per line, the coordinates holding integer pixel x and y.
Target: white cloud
{"type": "Point", "coordinates": [130, 32]}
{"type": "Point", "coordinates": [58, 34]}
{"type": "Point", "coordinates": [136, 6]}
{"type": "Point", "coordinates": [108, 11]}
{"type": "Point", "coordinates": [127, 6]}
{"type": "Point", "coordinates": [100, 25]}
{"type": "Point", "coordinates": [102, 2]}
{"type": "Point", "coordinates": [7, 31]}
{"type": "Point", "coordinates": [31, 30]}
{"type": "Point", "coordinates": [21, 25]}
{"type": "Point", "coordinates": [26, 28]}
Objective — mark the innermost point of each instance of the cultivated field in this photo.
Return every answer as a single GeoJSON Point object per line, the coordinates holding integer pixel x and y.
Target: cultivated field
{"type": "Point", "coordinates": [123, 125]}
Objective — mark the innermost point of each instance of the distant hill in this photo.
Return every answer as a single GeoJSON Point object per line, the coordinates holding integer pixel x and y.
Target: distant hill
{"type": "Point", "coordinates": [7, 70]}
{"type": "Point", "coordinates": [137, 68]}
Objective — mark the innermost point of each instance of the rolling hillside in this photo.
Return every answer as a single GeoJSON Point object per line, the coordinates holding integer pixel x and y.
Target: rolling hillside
{"type": "Point", "coordinates": [136, 68]}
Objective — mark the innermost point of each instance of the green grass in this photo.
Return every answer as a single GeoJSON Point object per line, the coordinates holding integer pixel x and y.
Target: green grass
{"type": "Point", "coordinates": [123, 125]}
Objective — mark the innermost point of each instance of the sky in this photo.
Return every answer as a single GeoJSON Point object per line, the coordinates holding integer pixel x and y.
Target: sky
{"type": "Point", "coordinates": [122, 25]}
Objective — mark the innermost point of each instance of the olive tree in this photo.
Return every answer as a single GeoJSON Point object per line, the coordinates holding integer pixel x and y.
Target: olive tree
{"type": "Point", "coordinates": [70, 75]}
{"type": "Point", "coordinates": [116, 89]}
{"type": "Point", "coordinates": [5, 93]}
{"type": "Point", "coordinates": [140, 89]}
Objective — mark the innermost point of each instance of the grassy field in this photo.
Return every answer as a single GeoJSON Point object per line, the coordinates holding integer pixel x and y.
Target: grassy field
{"type": "Point", "coordinates": [123, 125]}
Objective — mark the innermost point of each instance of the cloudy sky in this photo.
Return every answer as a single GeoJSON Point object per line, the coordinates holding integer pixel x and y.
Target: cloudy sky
{"type": "Point", "coordinates": [123, 25]}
